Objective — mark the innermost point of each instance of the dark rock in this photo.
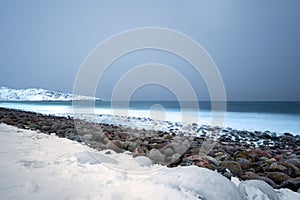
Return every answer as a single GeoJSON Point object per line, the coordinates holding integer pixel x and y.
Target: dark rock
{"type": "Point", "coordinates": [138, 152]}
{"type": "Point", "coordinates": [288, 134]}
{"type": "Point", "coordinates": [278, 177]}
{"type": "Point", "coordinates": [253, 176]}
{"type": "Point", "coordinates": [233, 166]}
{"type": "Point", "coordinates": [225, 172]}
{"type": "Point", "coordinates": [45, 128]}
{"type": "Point", "coordinates": [70, 131]}
{"type": "Point", "coordinates": [265, 136]}
{"type": "Point", "coordinates": [244, 163]}
{"type": "Point", "coordinates": [260, 153]}
{"type": "Point", "coordinates": [65, 126]}
{"type": "Point", "coordinates": [55, 127]}
{"type": "Point", "coordinates": [291, 169]}
{"type": "Point", "coordinates": [278, 157]}
{"type": "Point", "coordinates": [292, 184]}
{"type": "Point", "coordinates": [250, 175]}
{"type": "Point", "coordinates": [157, 140]}
{"type": "Point", "coordinates": [276, 167]}
{"type": "Point", "coordinates": [60, 133]}
{"type": "Point", "coordinates": [74, 138]}
{"type": "Point", "coordinates": [129, 146]}
{"type": "Point", "coordinates": [243, 155]}
{"type": "Point", "coordinates": [7, 120]}
{"type": "Point", "coordinates": [294, 161]}
{"type": "Point", "coordinates": [212, 160]}
{"type": "Point", "coordinates": [21, 126]}
{"type": "Point", "coordinates": [115, 145]}
{"type": "Point", "coordinates": [257, 167]}
{"type": "Point", "coordinates": [230, 150]}
{"type": "Point", "coordinates": [268, 180]}
{"type": "Point", "coordinates": [34, 126]}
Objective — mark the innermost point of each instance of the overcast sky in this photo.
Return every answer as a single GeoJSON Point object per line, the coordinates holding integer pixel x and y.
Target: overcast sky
{"type": "Point", "coordinates": [255, 44]}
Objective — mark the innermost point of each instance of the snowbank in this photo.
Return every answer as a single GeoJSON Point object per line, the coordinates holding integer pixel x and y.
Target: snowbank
{"type": "Point", "coordinates": [38, 166]}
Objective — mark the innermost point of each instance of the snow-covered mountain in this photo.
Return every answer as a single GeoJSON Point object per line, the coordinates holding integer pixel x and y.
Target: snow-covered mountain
{"type": "Point", "coordinates": [37, 94]}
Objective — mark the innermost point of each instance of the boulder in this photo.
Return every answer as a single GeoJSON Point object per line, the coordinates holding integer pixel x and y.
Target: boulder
{"type": "Point", "coordinates": [138, 152]}
{"type": "Point", "coordinates": [115, 145]}
{"type": "Point", "coordinates": [250, 175]}
{"type": "Point", "coordinates": [256, 189]}
{"type": "Point", "coordinates": [168, 152]}
{"type": "Point", "coordinates": [156, 156]}
{"type": "Point", "coordinates": [294, 161]}
{"type": "Point", "coordinates": [276, 167]}
{"type": "Point", "coordinates": [242, 155]}
{"type": "Point", "coordinates": [212, 160]}
{"type": "Point", "coordinates": [60, 133]}
{"type": "Point", "coordinates": [291, 170]}
{"type": "Point", "coordinates": [244, 163]}
{"type": "Point", "coordinates": [278, 177]}
{"type": "Point", "coordinates": [292, 184]}
{"type": "Point", "coordinates": [45, 128]}
{"type": "Point", "coordinates": [233, 166]}
{"type": "Point", "coordinates": [269, 181]}
{"type": "Point", "coordinates": [55, 127]}
{"type": "Point", "coordinates": [143, 161]}
{"type": "Point", "coordinates": [7, 120]}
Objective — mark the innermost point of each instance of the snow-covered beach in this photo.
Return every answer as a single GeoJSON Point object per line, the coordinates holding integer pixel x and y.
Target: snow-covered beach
{"type": "Point", "coordinates": [150, 100]}
{"type": "Point", "coordinates": [39, 166]}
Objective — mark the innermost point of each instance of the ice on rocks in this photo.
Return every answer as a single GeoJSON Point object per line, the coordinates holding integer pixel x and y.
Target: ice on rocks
{"type": "Point", "coordinates": [286, 194]}
{"type": "Point", "coordinates": [257, 189]}
{"type": "Point", "coordinates": [202, 182]}
{"type": "Point", "coordinates": [144, 161]}
{"type": "Point", "coordinates": [94, 158]}
{"type": "Point", "coordinates": [156, 156]}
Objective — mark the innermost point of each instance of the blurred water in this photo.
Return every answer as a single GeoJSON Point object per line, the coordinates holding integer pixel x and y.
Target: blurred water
{"type": "Point", "coordinates": [273, 116]}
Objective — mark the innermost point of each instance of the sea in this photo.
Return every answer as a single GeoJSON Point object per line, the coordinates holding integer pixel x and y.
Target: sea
{"type": "Point", "coordinates": [279, 117]}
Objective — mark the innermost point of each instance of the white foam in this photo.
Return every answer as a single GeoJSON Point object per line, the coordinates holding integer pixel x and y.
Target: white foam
{"type": "Point", "coordinates": [279, 123]}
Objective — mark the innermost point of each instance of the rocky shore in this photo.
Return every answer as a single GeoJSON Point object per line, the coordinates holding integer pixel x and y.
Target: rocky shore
{"type": "Point", "coordinates": [247, 155]}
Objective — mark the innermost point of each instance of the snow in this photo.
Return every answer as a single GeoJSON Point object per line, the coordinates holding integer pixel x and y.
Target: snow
{"type": "Point", "coordinates": [257, 189]}
{"type": "Point", "coordinates": [286, 194]}
{"type": "Point", "coordinates": [34, 165]}
{"type": "Point", "coordinates": [38, 94]}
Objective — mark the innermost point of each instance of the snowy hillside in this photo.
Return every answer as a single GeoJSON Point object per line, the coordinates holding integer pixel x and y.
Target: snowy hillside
{"type": "Point", "coordinates": [37, 94]}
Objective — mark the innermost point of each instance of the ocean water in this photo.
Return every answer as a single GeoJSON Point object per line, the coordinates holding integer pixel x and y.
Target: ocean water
{"type": "Point", "coordinates": [277, 117]}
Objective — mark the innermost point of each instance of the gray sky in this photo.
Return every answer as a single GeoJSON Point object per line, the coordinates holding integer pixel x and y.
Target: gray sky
{"type": "Point", "coordinates": [255, 44]}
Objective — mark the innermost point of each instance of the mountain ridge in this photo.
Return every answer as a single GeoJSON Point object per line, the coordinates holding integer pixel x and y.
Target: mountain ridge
{"type": "Point", "coordinates": [38, 94]}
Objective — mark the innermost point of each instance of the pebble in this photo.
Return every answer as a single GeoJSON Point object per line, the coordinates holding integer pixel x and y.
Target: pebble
{"type": "Point", "coordinates": [156, 156]}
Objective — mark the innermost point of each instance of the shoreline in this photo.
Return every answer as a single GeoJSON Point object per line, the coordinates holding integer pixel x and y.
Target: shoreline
{"type": "Point", "coordinates": [248, 155]}
{"type": "Point", "coordinates": [253, 119]}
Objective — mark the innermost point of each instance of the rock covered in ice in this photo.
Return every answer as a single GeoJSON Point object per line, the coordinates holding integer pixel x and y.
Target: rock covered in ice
{"type": "Point", "coordinates": [156, 156]}
{"type": "Point", "coordinates": [143, 161]}
{"type": "Point", "coordinates": [286, 194]}
{"type": "Point", "coordinates": [206, 184]}
{"type": "Point", "coordinates": [257, 189]}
